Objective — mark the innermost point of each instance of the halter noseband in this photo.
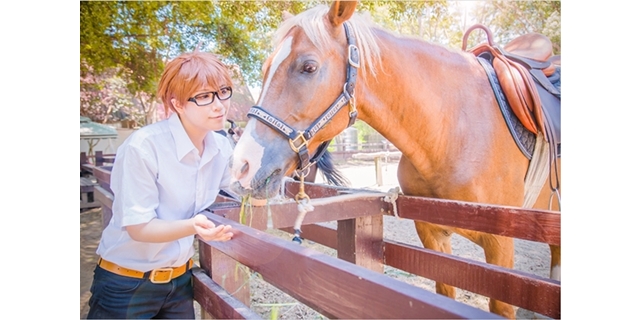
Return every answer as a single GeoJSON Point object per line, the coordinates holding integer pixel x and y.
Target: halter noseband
{"type": "Point", "coordinates": [298, 140]}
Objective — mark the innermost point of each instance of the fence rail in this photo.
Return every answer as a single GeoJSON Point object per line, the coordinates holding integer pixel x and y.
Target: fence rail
{"type": "Point", "coordinates": [353, 284]}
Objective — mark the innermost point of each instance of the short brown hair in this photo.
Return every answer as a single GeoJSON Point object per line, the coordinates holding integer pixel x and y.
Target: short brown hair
{"type": "Point", "coordinates": [188, 73]}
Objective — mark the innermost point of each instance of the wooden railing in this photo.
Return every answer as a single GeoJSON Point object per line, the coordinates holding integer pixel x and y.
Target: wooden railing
{"type": "Point", "coordinates": [353, 284]}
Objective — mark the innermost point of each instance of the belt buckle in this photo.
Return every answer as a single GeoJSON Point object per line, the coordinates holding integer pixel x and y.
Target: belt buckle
{"type": "Point", "coordinates": [161, 271]}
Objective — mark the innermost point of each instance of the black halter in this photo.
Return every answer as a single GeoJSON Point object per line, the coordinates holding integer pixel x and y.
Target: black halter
{"type": "Point", "coordinates": [298, 140]}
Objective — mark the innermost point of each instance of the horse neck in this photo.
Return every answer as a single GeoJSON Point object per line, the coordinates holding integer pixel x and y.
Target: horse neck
{"type": "Point", "coordinates": [416, 99]}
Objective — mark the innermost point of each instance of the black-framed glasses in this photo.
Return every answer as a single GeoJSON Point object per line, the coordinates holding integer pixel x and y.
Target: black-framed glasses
{"type": "Point", "coordinates": [207, 98]}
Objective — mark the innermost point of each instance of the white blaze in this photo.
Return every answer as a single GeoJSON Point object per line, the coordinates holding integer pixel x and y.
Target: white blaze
{"type": "Point", "coordinates": [248, 150]}
{"type": "Point", "coordinates": [283, 53]}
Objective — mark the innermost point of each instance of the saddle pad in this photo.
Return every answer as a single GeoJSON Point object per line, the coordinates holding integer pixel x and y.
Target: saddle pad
{"type": "Point", "coordinates": [524, 139]}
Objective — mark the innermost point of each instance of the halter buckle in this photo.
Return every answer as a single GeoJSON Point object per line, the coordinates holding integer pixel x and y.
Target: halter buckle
{"type": "Point", "coordinates": [353, 112]}
{"type": "Point", "coordinates": [293, 141]}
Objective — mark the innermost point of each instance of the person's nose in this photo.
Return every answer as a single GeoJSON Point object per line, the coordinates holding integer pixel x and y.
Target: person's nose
{"type": "Point", "coordinates": [217, 104]}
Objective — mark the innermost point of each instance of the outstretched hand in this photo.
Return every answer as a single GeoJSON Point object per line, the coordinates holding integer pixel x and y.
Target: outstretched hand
{"type": "Point", "coordinates": [208, 230]}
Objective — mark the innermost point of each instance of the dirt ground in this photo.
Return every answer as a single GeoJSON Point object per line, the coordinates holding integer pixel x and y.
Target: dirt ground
{"type": "Point", "coordinates": [531, 257]}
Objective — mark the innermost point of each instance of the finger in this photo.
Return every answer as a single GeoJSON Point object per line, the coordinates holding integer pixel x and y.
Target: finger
{"type": "Point", "coordinates": [223, 233]}
{"type": "Point", "coordinates": [223, 228]}
{"type": "Point", "coordinates": [204, 222]}
{"type": "Point", "coordinates": [225, 236]}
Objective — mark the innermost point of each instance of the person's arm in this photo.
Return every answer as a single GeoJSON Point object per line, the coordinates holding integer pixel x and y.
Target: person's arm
{"type": "Point", "coordinates": [158, 230]}
{"type": "Point", "coordinates": [133, 181]}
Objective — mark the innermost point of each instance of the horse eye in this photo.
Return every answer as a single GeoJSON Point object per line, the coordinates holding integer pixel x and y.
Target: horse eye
{"type": "Point", "coordinates": [309, 67]}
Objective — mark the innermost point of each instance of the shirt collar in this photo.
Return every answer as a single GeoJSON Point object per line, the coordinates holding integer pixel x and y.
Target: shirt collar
{"type": "Point", "coordinates": [210, 147]}
{"type": "Point", "coordinates": [184, 144]}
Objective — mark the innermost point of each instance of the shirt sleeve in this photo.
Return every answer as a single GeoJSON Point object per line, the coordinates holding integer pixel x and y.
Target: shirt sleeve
{"type": "Point", "coordinates": [133, 182]}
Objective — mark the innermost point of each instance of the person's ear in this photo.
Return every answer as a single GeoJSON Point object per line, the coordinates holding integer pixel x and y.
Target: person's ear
{"type": "Point", "coordinates": [177, 106]}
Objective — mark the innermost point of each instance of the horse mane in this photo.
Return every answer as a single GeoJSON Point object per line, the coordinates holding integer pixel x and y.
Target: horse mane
{"type": "Point", "coordinates": [332, 174]}
{"type": "Point", "coordinates": [311, 22]}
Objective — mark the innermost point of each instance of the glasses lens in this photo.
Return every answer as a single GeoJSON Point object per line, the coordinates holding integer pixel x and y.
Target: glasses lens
{"type": "Point", "coordinates": [224, 93]}
{"type": "Point", "coordinates": [204, 98]}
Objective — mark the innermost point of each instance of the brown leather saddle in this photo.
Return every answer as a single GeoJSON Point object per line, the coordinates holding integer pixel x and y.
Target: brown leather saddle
{"type": "Point", "coordinates": [523, 68]}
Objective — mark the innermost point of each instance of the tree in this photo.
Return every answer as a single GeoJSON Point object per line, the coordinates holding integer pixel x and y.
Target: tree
{"type": "Point", "coordinates": [428, 20]}
{"type": "Point", "coordinates": [132, 40]}
{"type": "Point", "coordinates": [509, 19]}
{"type": "Point", "coordinates": [103, 95]}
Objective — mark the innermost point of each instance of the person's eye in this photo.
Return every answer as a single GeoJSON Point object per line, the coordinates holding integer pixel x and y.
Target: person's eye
{"type": "Point", "coordinates": [224, 91]}
{"type": "Point", "coordinates": [204, 96]}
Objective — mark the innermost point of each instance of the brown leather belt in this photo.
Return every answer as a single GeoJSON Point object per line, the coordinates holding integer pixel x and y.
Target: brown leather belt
{"type": "Point", "coordinates": [161, 275]}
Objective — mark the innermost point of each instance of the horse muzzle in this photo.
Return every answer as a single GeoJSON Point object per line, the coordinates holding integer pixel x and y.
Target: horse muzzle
{"type": "Point", "coordinates": [262, 186]}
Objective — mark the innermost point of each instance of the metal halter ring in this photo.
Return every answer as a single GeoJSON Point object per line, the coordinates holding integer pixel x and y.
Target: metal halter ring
{"type": "Point", "coordinates": [295, 148]}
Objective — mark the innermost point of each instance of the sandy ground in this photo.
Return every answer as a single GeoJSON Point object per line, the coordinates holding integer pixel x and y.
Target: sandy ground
{"type": "Point", "coordinates": [531, 257]}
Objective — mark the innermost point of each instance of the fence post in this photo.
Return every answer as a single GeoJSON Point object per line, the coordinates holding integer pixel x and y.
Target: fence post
{"type": "Point", "coordinates": [360, 241]}
{"type": "Point", "coordinates": [226, 272]}
{"type": "Point", "coordinates": [378, 166]}
{"type": "Point", "coordinates": [99, 158]}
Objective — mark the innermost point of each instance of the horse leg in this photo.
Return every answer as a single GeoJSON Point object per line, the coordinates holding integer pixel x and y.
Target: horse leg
{"type": "Point", "coordinates": [499, 250]}
{"type": "Point", "coordinates": [437, 238]}
{"type": "Point", "coordinates": [548, 200]}
{"type": "Point", "coordinates": [432, 236]}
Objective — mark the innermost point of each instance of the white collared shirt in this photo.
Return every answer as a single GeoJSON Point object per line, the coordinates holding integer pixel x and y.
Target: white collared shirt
{"type": "Point", "coordinates": [158, 173]}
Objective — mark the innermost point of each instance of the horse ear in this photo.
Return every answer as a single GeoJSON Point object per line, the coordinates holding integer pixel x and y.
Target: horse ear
{"type": "Point", "coordinates": [286, 15]}
{"type": "Point", "coordinates": [341, 11]}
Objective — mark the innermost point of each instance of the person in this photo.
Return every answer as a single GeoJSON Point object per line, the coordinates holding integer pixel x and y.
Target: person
{"type": "Point", "coordinates": [164, 174]}
{"type": "Point", "coordinates": [233, 133]}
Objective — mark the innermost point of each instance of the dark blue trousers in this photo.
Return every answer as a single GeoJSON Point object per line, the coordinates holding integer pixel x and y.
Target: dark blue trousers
{"type": "Point", "coordinates": [118, 297]}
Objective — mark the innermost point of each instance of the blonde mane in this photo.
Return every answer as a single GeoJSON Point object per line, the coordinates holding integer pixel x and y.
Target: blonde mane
{"type": "Point", "coordinates": [311, 22]}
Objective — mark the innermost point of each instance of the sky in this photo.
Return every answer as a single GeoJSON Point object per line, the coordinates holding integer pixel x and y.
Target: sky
{"type": "Point", "coordinates": [41, 54]}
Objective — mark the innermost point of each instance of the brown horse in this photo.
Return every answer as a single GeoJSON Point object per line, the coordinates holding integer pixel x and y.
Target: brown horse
{"type": "Point", "coordinates": [434, 104]}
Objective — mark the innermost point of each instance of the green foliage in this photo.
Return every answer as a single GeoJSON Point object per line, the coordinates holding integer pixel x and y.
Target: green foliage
{"type": "Point", "coordinates": [428, 20]}
{"type": "Point", "coordinates": [364, 130]}
{"type": "Point", "coordinates": [132, 40]}
{"type": "Point", "coordinates": [273, 315]}
{"type": "Point", "coordinates": [140, 36]}
{"type": "Point", "coordinates": [509, 19]}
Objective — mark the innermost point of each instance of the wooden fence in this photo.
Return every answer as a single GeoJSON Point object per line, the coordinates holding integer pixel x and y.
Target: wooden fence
{"type": "Point", "coordinates": [353, 284]}
{"type": "Point", "coordinates": [342, 151]}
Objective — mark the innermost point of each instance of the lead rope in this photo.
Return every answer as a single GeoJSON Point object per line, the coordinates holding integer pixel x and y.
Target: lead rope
{"type": "Point", "coordinates": [392, 197]}
{"type": "Point", "coordinates": [304, 206]}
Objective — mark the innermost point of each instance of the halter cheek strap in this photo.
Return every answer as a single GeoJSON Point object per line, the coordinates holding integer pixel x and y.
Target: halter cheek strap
{"type": "Point", "coordinates": [298, 140]}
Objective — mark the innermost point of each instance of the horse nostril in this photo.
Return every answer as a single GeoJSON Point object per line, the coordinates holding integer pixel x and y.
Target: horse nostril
{"type": "Point", "coordinates": [245, 168]}
{"type": "Point", "coordinates": [240, 171]}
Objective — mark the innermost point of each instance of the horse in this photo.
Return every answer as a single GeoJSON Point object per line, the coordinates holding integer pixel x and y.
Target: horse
{"type": "Point", "coordinates": [324, 163]}
{"type": "Point", "coordinates": [435, 104]}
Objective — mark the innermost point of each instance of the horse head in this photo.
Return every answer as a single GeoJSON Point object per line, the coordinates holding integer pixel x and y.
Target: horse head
{"type": "Point", "coordinates": [306, 99]}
